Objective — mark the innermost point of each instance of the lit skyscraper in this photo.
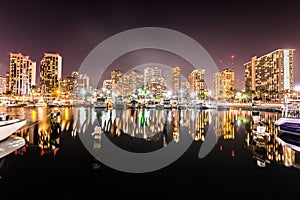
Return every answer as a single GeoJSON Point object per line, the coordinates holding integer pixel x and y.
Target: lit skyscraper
{"type": "Point", "coordinates": [108, 85]}
{"type": "Point", "coordinates": [271, 75]}
{"type": "Point", "coordinates": [154, 81]}
{"type": "Point", "coordinates": [83, 85]}
{"type": "Point", "coordinates": [7, 80]}
{"type": "Point", "coordinates": [22, 74]}
{"type": "Point", "coordinates": [196, 83]}
{"type": "Point", "coordinates": [67, 87]}
{"type": "Point", "coordinates": [116, 75]}
{"type": "Point", "coordinates": [117, 85]}
{"type": "Point", "coordinates": [50, 72]}
{"type": "Point", "coordinates": [2, 84]}
{"type": "Point", "coordinates": [224, 84]}
{"type": "Point", "coordinates": [176, 81]}
{"type": "Point", "coordinates": [132, 81]}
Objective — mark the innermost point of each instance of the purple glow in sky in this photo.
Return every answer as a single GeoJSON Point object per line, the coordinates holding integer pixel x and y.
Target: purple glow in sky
{"type": "Point", "coordinates": [73, 28]}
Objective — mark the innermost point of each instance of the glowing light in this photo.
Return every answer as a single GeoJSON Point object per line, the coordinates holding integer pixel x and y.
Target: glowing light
{"type": "Point", "coordinates": [55, 152]}
{"type": "Point", "coordinates": [221, 148]}
{"type": "Point", "coordinates": [232, 153]}
{"type": "Point", "coordinates": [33, 115]}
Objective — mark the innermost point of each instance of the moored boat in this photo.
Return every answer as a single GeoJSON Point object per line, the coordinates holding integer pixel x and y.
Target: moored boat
{"type": "Point", "coordinates": [9, 126]}
{"type": "Point", "coordinates": [290, 120]}
{"type": "Point", "coordinates": [291, 125]}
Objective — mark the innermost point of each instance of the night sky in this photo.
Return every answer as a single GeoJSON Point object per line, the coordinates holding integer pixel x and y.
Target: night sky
{"type": "Point", "coordinates": [74, 28]}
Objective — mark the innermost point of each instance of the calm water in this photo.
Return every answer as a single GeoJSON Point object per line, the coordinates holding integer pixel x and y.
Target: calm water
{"type": "Point", "coordinates": [232, 168]}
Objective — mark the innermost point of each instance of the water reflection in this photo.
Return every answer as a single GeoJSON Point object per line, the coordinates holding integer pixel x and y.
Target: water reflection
{"type": "Point", "coordinates": [267, 149]}
{"type": "Point", "coordinates": [154, 129]}
{"type": "Point", "coordinates": [151, 125]}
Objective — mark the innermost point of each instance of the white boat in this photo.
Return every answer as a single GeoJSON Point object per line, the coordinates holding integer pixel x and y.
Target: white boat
{"type": "Point", "coordinates": [10, 126]}
{"type": "Point", "coordinates": [11, 104]}
{"type": "Point", "coordinates": [100, 103]}
{"type": "Point", "coordinates": [119, 103]}
{"type": "Point", "coordinates": [41, 103]}
{"type": "Point", "coordinates": [290, 120]}
{"type": "Point", "coordinates": [150, 104]}
{"type": "Point", "coordinates": [167, 104]}
{"type": "Point", "coordinates": [10, 145]}
{"type": "Point", "coordinates": [181, 105]}
{"type": "Point", "coordinates": [291, 125]}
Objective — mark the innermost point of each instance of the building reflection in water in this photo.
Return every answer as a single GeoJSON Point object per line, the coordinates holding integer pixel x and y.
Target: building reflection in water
{"type": "Point", "coordinates": [267, 149]}
{"type": "Point", "coordinates": [164, 125]}
{"type": "Point", "coordinates": [150, 125]}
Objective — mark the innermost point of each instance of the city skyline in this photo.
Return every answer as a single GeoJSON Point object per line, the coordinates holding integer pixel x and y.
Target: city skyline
{"type": "Point", "coordinates": [78, 26]}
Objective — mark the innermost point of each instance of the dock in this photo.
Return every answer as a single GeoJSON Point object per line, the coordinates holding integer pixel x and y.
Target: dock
{"type": "Point", "coordinates": [258, 107]}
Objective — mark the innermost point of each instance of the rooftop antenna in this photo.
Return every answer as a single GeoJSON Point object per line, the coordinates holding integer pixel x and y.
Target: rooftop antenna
{"type": "Point", "coordinates": [232, 61]}
{"type": "Point", "coordinates": [220, 67]}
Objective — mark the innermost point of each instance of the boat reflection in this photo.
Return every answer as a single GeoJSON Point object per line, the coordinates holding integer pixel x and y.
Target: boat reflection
{"type": "Point", "coordinates": [274, 148]}
{"type": "Point", "coordinates": [151, 129]}
{"type": "Point", "coordinates": [147, 124]}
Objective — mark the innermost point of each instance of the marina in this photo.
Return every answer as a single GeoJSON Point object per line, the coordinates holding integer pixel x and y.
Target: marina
{"type": "Point", "coordinates": [148, 130]}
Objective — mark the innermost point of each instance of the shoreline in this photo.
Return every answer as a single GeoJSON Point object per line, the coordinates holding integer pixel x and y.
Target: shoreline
{"type": "Point", "coordinates": [259, 107]}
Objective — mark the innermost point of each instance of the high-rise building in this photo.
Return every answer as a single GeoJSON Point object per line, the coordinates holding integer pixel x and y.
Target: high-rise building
{"type": "Point", "coordinates": [22, 74]}
{"type": "Point", "coordinates": [116, 77]}
{"type": "Point", "coordinates": [196, 83]}
{"type": "Point", "coordinates": [154, 81]}
{"type": "Point", "coordinates": [2, 84]}
{"type": "Point", "coordinates": [185, 89]}
{"type": "Point", "coordinates": [7, 80]}
{"type": "Point", "coordinates": [132, 81]}
{"type": "Point", "coordinates": [83, 85]}
{"type": "Point", "coordinates": [224, 84]}
{"type": "Point", "coordinates": [271, 76]}
{"type": "Point", "coordinates": [50, 73]}
{"type": "Point", "coordinates": [108, 85]}
{"type": "Point", "coordinates": [176, 81]}
{"type": "Point", "coordinates": [67, 87]}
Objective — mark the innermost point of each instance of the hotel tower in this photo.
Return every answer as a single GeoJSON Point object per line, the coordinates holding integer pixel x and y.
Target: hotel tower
{"type": "Point", "coordinates": [271, 76]}
{"type": "Point", "coordinates": [22, 74]}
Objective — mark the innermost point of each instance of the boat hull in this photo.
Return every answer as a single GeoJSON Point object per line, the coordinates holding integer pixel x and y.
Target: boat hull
{"type": "Point", "coordinates": [10, 145]}
{"type": "Point", "coordinates": [290, 125]}
{"type": "Point", "coordinates": [7, 128]}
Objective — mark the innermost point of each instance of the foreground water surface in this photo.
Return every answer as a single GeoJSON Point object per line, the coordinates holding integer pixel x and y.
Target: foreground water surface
{"type": "Point", "coordinates": [237, 163]}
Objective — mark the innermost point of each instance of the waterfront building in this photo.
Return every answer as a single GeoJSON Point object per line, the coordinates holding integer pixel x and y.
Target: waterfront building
{"type": "Point", "coordinates": [224, 85]}
{"type": "Point", "coordinates": [271, 76]}
{"type": "Point", "coordinates": [154, 81]}
{"type": "Point", "coordinates": [116, 77]}
{"type": "Point", "coordinates": [108, 87]}
{"type": "Point", "coordinates": [132, 81]}
{"type": "Point", "coordinates": [82, 87]}
{"type": "Point", "coordinates": [22, 74]}
{"type": "Point", "coordinates": [7, 80]}
{"type": "Point", "coordinates": [185, 90]}
{"type": "Point", "coordinates": [196, 83]}
{"type": "Point", "coordinates": [50, 73]}
{"type": "Point", "coordinates": [2, 85]}
{"type": "Point", "coordinates": [67, 87]}
{"type": "Point", "coordinates": [176, 81]}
